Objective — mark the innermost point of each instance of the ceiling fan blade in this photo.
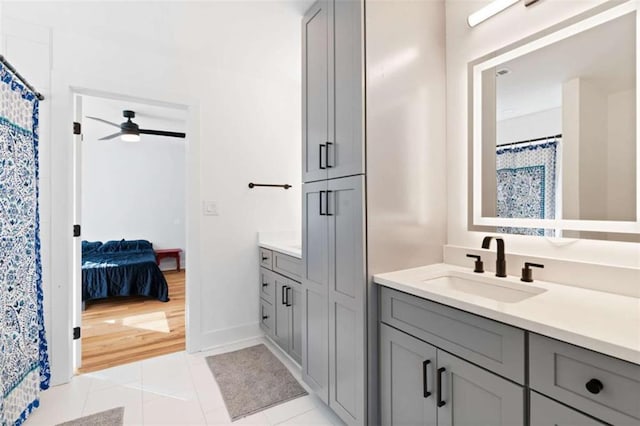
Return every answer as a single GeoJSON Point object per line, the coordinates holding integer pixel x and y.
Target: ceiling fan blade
{"type": "Point", "coordinates": [104, 121]}
{"type": "Point", "coordinates": [162, 133]}
{"type": "Point", "coordinates": [115, 135]}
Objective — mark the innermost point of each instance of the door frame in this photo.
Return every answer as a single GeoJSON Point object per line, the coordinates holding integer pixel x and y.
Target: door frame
{"type": "Point", "coordinates": [192, 223]}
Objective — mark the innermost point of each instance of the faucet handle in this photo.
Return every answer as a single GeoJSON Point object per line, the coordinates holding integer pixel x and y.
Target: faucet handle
{"type": "Point", "coordinates": [479, 266]}
{"type": "Point", "coordinates": [527, 273]}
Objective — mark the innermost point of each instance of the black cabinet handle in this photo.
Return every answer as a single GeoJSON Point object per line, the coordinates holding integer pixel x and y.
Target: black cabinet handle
{"type": "Point", "coordinates": [320, 156]}
{"type": "Point", "coordinates": [321, 212]}
{"type": "Point", "coordinates": [282, 295]}
{"type": "Point", "coordinates": [264, 258]}
{"type": "Point", "coordinates": [288, 296]}
{"type": "Point", "coordinates": [327, 204]}
{"type": "Point", "coordinates": [265, 284]}
{"type": "Point", "coordinates": [594, 386]}
{"type": "Point", "coordinates": [326, 155]}
{"type": "Point", "coordinates": [425, 380]}
{"type": "Point", "coordinates": [441, 403]}
{"type": "Point", "coordinates": [264, 317]}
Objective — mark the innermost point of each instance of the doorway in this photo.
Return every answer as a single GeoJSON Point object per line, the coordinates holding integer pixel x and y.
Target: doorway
{"type": "Point", "coordinates": [130, 200]}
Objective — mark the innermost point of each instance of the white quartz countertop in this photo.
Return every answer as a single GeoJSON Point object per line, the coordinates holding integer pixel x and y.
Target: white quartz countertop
{"type": "Point", "coordinates": [292, 248]}
{"type": "Point", "coordinates": [603, 322]}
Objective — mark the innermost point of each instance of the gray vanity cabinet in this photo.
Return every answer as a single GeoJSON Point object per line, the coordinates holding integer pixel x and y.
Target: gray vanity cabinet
{"type": "Point", "coordinates": [473, 396]}
{"type": "Point", "coordinates": [315, 289]}
{"type": "Point", "coordinates": [347, 290]}
{"type": "Point", "coordinates": [315, 92]}
{"type": "Point", "coordinates": [281, 301]}
{"type": "Point", "coordinates": [547, 412]}
{"type": "Point", "coordinates": [282, 324]}
{"type": "Point", "coordinates": [407, 381]}
{"type": "Point", "coordinates": [423, 385]}
{"type": "Point", "coordinates": [334, 288]}
{"type": "Point", "coordinates": [332, 104]}
{"type": "Point", "coordinates": [442, 366]}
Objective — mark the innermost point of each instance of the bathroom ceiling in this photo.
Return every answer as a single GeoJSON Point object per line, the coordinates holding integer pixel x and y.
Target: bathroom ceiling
{"type": "Point", "coordinates": [605, 55]}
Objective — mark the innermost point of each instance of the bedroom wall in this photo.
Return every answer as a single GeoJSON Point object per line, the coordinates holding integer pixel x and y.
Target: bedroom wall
{"type": "Point", "coordinates": [238, 65]}
{"type": "Point", "coordinates": [133, 190]}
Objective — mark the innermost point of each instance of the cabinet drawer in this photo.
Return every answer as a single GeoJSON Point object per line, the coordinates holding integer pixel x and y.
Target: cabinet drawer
{"type": "Point", "coordinates": [546, 412]}
{"type": "Point", "coordinates": [563, 371]}
{"type": "Point", "coordinates": [267, 317]}
{"type": "Point", "coordinates": [490, 344]}
{"type": "Point", "coordinates": [288, 266]}
{"type": "Point", "coordinates": [267, 285]}
{"type": "Point", "coordinates": [266, 257]}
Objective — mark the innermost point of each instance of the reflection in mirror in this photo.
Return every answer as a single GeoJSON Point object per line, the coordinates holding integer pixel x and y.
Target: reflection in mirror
{"type": "Point", "coordinates": [558, 129]}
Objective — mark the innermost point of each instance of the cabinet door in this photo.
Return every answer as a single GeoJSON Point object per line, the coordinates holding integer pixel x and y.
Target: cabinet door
{"type": "Point", "coordinates": [407, 385]}
{"type": "Point", "coordinates": [281, 327]}
{"type": "Point", "coordinates": [315, 91]}
{"type": "Point", "coordinates": [347, 290]}
{"type": "Point", "coordinates": [295, 345]}
{"type": "Point", "coordinates": [546, 412]}
{"type": "Point", "coordinates": [474, 397]}
{"type": "Point", "coordinates": [315, 317]}
{"type": "Point", "coordinates": [346, 121]}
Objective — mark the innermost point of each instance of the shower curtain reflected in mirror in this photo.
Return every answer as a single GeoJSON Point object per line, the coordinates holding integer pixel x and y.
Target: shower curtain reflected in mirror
{"type": "Point", "coordinates": [24, 366]}
{"type": "Point", "coordinates": [527, 184]}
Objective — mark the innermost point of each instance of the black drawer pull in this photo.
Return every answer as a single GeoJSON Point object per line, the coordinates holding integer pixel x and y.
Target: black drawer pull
{"type": "Point", "coordinates": [327, 203]}
{"type": "Point", "coordinates": [594, 386]}
{"type": "Point", "coordinates": [264, 258]}
{"type": "Point", "coordinates": [283, 298]}
{"type": "Point", "coordinates": [265, 284]}
{"type": "Point", "coordinates": [320, 166]}
{"type": "Point", "coordinates": [441, 403]}
{"type": "Point", "coordinates": [288, 296]}
{"type": "Point", "coordinates": [425, 380]}
{"type": "Point", "coordinates": [322, 213]}
{"type": "Point", "coordinates": [264, 317]}
{"type": "Point", "coordinates": [326, 155]}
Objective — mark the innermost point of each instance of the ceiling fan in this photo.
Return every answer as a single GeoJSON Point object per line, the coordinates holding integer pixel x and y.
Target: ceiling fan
{"type": "Point", "coordinates": [130, 132]}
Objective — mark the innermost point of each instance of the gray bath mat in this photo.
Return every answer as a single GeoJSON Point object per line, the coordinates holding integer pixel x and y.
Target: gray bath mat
{"type": "Point", "coordinates": [252, 380]}
{"type": "Point", "coordinates": [113, 417]}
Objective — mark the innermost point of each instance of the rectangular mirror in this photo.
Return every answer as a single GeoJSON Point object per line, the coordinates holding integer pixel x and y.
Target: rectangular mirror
{"type": "Point", "coordinates": [553, 131]}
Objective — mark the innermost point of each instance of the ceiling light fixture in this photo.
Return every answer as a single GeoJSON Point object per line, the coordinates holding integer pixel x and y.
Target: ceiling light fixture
{"type": "Point", "coordinates": [489, 10]}
{"type": "Point", "coordinates": [130, 137]}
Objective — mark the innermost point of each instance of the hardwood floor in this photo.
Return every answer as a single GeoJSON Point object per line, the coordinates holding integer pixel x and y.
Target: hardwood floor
{"type": "Point", "coordinates": [120, 331]}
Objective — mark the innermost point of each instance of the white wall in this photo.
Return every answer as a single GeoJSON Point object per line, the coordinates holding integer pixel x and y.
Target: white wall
{"type": "Point", "coordinates": [133, 190]}
{"type": "Point", "coordinates": [465, 44]}
{"type": "Point", "coordinates": [530, 126]}
{"type": "Point", "coordinates": [621, 155]}
{"type": "Point", "coordinates": [238, 65]}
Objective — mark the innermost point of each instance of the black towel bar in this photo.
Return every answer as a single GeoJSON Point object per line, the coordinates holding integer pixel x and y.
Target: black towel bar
{"type": "Point", "coordinates": [285, 186]}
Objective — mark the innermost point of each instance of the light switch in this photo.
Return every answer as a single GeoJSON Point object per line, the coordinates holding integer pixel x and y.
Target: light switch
{"type": "Point", "coordinates": [210, 208]}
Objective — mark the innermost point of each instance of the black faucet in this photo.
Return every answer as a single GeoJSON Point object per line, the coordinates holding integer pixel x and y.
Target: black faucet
{"type": "Point", "coordinates": [501, 263]}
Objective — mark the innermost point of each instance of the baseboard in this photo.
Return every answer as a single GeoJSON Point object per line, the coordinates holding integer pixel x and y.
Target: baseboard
{"type": "Point", "coordinates": [226, 336]}
{"type": "Point", "coordinates": [282, 352]}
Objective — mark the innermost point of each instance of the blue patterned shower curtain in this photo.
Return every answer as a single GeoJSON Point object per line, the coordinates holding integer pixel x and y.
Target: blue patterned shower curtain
{"type": "Point", "coordinates": [24, 366]}
{"type": "Point", "coordinates": [526, 178]}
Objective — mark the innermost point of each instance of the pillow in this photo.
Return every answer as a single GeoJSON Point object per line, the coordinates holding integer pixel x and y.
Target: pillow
{"type": "Point", "coordinates": [110, 247]}
{"type": "Point", "coordinates": [90, 246]}
{"type": "Point", "coordinates": [135, 245]}
{"type": "Point", "coordinates": [115, 246]}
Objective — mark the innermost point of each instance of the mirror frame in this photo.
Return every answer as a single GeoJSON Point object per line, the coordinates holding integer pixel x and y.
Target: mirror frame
{"type": "Point", "coordinates": [579, 23]}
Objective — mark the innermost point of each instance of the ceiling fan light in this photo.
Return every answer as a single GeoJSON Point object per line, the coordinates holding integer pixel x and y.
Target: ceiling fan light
{"type": "Point", "coordinates": [130, 137]}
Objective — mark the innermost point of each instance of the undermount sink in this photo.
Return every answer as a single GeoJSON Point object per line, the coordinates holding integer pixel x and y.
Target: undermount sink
{"type": "Point", "coordinates": [507, 292]}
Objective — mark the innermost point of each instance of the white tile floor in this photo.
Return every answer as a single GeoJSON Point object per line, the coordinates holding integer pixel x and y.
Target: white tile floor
{"type": "Point", "coordinates": [175, 389]}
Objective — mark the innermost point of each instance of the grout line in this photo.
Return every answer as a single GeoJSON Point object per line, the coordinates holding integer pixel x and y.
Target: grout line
{"type": "Point", "coordinates": [204, 416]}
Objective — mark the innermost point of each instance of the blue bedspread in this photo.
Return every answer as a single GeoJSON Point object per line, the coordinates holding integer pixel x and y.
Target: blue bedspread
{"type": "Point", "coordinates": [121, 268]}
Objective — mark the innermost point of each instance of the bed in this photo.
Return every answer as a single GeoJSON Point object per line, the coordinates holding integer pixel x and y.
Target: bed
{"type": "Point", "coordinates": [121, 268]}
